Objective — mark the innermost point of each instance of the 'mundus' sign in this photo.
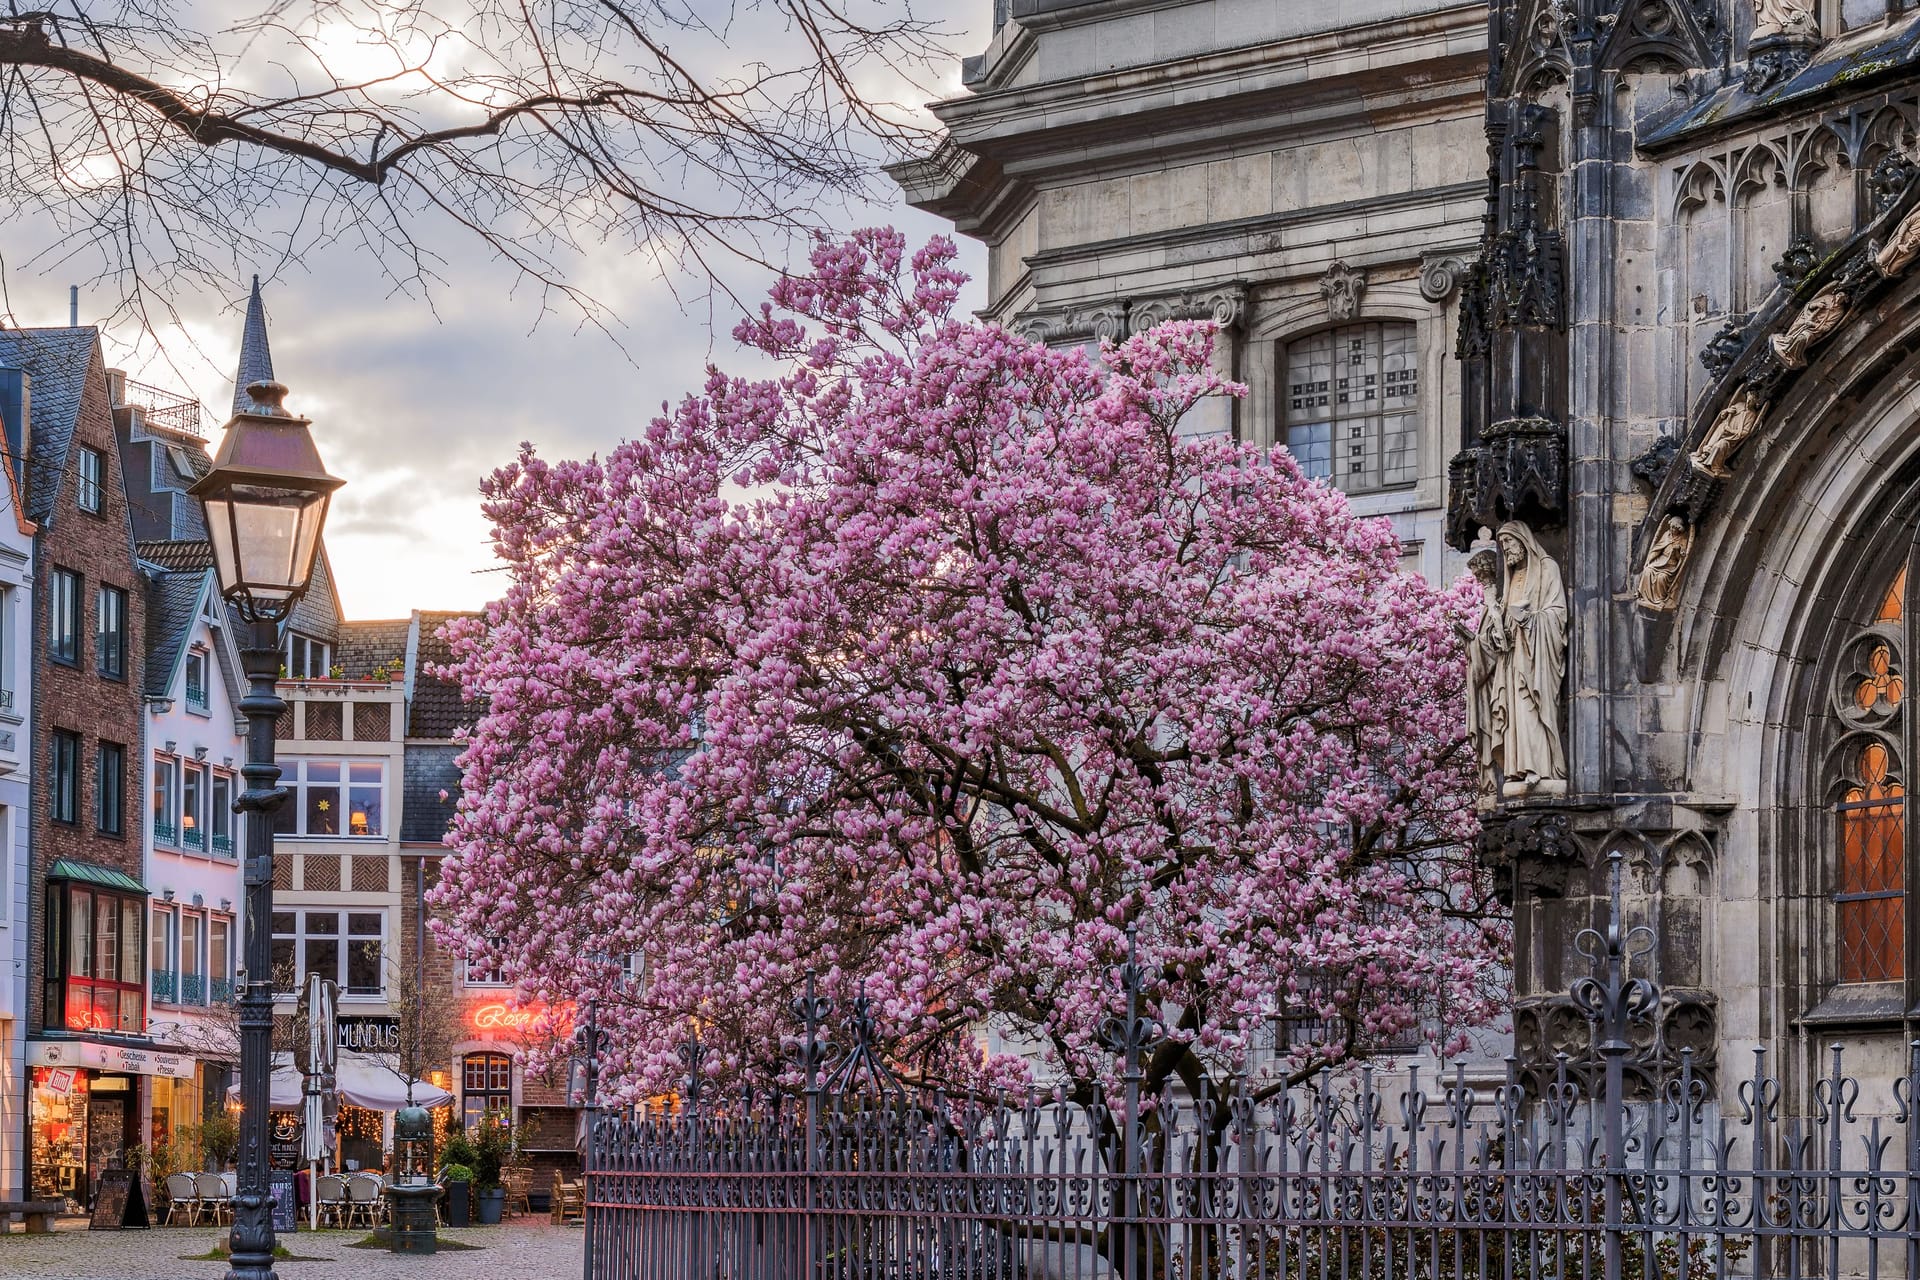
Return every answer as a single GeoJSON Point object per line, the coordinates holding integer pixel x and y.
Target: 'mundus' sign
{"type": "Point", "coordinates": [370, 1035]}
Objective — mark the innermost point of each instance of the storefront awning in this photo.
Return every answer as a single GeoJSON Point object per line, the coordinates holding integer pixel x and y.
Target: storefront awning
{"type": "Point", "coordinates": [93, 1055]}
{"type": "Point", "coordinates": [89, 873]}
{"type": "Point", "coordinates": [359, 1080]}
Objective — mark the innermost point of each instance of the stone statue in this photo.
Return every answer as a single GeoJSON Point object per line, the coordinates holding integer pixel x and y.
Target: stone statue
{"type": "Point", "coordinates": [1486, 709]}
{"type": "Point", "coordinates": [1785, 20]}
{"type": "Point", "coordinates": [1821, 316]}
{"type": "Point", "coordinates": [1739, 419]}
{"type": "Point", "coordinates": [1901, 248]}
{"type": "Point", "coordinates": [1518, 663]}
{"type": "Point", "coordinates": [1659, 585]}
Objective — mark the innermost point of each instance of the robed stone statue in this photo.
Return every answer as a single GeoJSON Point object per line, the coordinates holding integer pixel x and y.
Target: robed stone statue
{"type": "Point", "coordinates": [1517, 666]}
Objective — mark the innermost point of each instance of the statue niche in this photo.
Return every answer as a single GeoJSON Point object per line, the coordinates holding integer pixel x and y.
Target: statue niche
{"type": "Point", "coordinates": [1517, 665]}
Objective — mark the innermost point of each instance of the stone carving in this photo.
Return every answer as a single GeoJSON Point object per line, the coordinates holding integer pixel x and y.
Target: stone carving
{"type": "Point", "coordinates": [1659, 586]}
{"type": "Point", "coordinates": [1224, 306]}
{"type": "Point", "coordinates": [1486, 710]}
{"type": "Point", "coordinates": [1519, 467]}
{"type": "Point", "coordinates": [1797, 263]}
{"type": "Point", "coordinates": [1517, 663]}
{"type": "Point", "coordinates": [1901, 248]}
{"type": "Point", "coordinates": [1817, 320]}
{"type": "Point", "coordinates": [1342, 287]}
{"type": "Point", "coordinates": [1779, 60]}
{"type": "Point", "coordinates": [1080, 324]}
{"type": "Point", "coordinates": [1890, 179]}
{"type": "Point", "coordinates": [1440, 275]}
{"type": "Point", "coordinates": [1739, 419]}
{"type": "Point", "coordinates": [1650, 467]}
{"type": "Point", "coordinates": [1725, 346]}
{"type": "Point", "coordinates": [1785, 20]}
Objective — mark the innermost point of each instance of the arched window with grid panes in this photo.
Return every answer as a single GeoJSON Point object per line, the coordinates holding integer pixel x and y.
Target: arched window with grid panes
{"type": "Point", "coordinates": [1350, 404]}
{"type": "Point", "coordinates": [1869, 873]}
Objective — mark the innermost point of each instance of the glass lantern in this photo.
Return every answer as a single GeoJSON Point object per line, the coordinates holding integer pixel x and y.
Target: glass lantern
{"type": "Point", "coordinates": [412, 1147]}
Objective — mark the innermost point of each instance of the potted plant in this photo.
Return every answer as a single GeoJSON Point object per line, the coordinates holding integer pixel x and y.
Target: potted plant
{"type": "Point", "coordinates": [456, 1180]}
{"type": "Point", "coordinates": [456, 1177]}
{"type": "Point", "coordinates": [491, 1143]}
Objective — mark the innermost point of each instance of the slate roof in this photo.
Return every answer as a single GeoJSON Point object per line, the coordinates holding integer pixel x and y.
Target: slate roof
{"type": "Point", "coordinates": [173, 605]}
{"type": "Point", "coordinates": [1874, 53]}
{"type": "Point", "coordinates": [58, 361]}
{"type": "Point", "coordinates": [362, 646]}
{"type": "Point", "coordinates": [176, 554]}
{"type": "Point", "coordinates": [430, 770]}
{"type": "Point", "coordinates": [437, 709]}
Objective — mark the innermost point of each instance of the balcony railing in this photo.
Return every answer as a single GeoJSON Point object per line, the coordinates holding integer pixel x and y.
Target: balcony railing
{"type": "Point", "coordinates": [163, 833]}
{"type": "Point", "coordinates": [193, 838]}
{"type": "Point", "coordinates": [197, 697]}
{"type": "Point", "coordinates": [222, 988]}
{"type": "Point", "coordinates": [193, 988]}
{"type": "Point", "coordinates": [222, 844]}
{"type": "Point", "coordinates": [163, 986]}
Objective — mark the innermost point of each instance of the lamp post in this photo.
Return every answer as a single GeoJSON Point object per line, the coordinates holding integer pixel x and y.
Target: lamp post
{"type": "Point", "coordinates": [265, 501]}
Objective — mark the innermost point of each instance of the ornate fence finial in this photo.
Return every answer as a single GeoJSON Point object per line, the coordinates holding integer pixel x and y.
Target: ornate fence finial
{"type": "Point", "coordinates": [864, 1067]}
{"type": "Point", "coordinates": [811, 1051]}
{"type": "Point", "coordinates": [691, 1054]}
{"type": "Point", "coordinates": [1130, 1036]}
{"type": "Point", "coordinates": [1613, 1001]}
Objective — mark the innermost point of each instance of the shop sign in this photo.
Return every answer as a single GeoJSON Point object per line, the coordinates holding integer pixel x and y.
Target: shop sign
{"type": "Point", "coordinates": [498, 1015]}
{"type": "Point", "coordinates": [93, 1056]}
{"type": "Point", "coordinates": [370, 1034]}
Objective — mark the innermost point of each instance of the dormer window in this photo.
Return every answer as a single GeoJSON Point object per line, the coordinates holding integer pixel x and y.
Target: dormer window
{"type": "Point", "coordinates": [307, 658]}
{"type": "Point", "coordinates": [197, 698]}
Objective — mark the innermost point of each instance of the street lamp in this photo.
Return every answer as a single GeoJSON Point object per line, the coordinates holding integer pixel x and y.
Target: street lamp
{"type": "Point", "coordinates": [265, 501]}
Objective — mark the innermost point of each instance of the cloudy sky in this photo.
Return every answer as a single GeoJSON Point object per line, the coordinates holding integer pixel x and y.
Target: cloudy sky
{"type": "Point", "coordinates": [414, 397]}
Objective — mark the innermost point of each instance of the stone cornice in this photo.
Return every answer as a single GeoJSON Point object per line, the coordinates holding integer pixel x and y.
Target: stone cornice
{"type": "Point", "coordinates": [1446, 49]}
{"type": "Point", "coordinates": [1224, 304]}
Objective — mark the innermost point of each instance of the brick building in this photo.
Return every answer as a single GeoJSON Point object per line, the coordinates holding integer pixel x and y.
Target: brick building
{"type": "Point", "coordinates": [88, 1054]}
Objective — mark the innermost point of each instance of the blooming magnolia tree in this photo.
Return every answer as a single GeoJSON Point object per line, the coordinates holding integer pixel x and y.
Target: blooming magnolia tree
{"type": "Point", "coordinates": [932, 667]}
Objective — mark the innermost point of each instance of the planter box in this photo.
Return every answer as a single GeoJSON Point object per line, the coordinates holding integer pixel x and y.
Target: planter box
{"type": "Point", "coordinates": [489, 1205]}
{"type": "Point", "coordinates": [459, 1204]}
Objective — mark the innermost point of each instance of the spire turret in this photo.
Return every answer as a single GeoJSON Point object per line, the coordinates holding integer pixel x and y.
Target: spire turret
{"type": "Point", "coordinates": [256, 361]}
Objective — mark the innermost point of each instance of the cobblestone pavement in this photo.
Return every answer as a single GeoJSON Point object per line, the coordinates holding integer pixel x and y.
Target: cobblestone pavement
{"type": "Point", "coordinates": [524, 1250]}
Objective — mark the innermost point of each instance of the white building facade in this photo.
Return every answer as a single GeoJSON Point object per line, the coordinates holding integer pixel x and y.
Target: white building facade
{"type": "Point", "coordinates": [16, 757]}
{"type": "Point", "coordinates": [195, 744]}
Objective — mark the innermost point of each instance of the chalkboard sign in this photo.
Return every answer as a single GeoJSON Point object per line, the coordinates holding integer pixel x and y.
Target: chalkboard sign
{"type": "Point", "coordinates": [286, 1203]}
{"type": "Point", "coordinates": [284, 1146]}
{"type": "Point", "coordinates": [119, 1202]}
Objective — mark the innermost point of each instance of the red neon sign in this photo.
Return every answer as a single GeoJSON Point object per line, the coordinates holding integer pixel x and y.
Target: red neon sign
{"type": "Point", "coordinates": [501, 1016]}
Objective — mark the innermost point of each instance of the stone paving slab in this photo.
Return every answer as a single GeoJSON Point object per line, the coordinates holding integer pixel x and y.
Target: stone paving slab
{"type": "Point", "coordinates": [526, 1249]}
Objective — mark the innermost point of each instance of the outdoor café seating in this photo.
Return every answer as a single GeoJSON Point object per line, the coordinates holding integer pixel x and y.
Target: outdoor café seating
{"type": "Point", "coordinates": [183, 1199]}
{"type": "Point", "coordinates": [330, 1197]}
{"type": "Point", "coordinates": [215, 1197]}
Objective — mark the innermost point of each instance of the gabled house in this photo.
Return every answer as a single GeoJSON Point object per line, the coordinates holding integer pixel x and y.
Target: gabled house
{"type": "Point", "coordinates": [194, 745]}
{"type": "Point", "coordinates": [89, 1057]}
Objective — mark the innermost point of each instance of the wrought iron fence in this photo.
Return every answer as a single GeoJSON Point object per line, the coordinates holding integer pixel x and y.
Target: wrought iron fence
{"type": "Point", "coordinates": [1359, 1176]}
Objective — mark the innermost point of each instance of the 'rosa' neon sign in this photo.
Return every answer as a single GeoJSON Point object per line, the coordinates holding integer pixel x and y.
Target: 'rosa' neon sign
{"type": "Point", "coordinates": [501, 1016]}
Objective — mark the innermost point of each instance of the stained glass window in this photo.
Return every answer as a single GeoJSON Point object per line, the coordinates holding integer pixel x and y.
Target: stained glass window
{"type": "Point", "coordinates": [1351, 405]}
{"type": "Point", "coordinates": [1870, 891]}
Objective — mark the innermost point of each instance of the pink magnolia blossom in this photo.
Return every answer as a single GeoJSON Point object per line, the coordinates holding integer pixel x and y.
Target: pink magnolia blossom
{"type": "Point", "coordinates": [931, 667]}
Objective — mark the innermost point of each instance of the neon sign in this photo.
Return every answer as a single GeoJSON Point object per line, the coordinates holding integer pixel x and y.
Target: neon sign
{"type": "Point", "coordinates": [501, 1016]}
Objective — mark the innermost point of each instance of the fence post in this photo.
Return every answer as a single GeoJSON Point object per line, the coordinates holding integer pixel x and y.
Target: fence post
{"type": "Point", "coordinates": [810, 1054]}
{"type": "Point", "coordinates": [1613, 1002]}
